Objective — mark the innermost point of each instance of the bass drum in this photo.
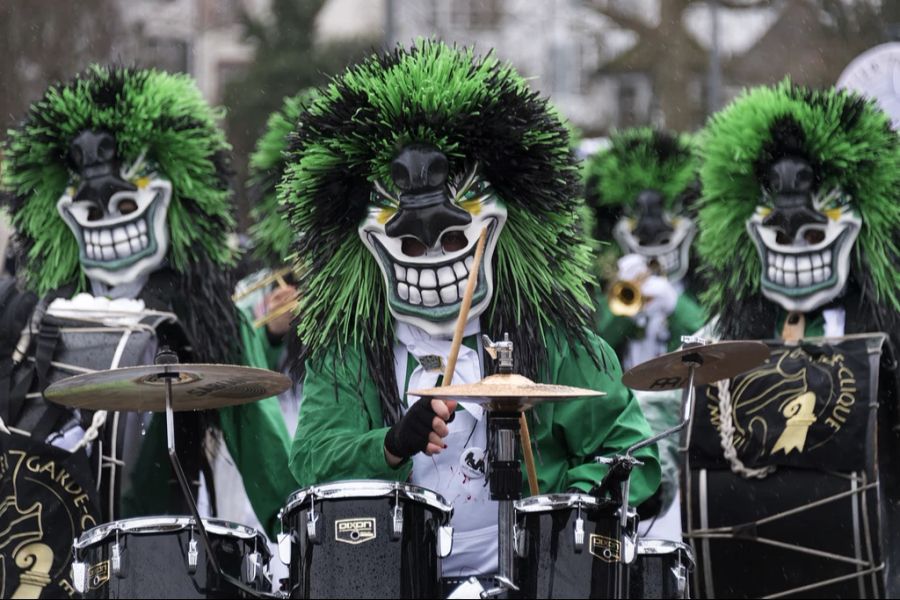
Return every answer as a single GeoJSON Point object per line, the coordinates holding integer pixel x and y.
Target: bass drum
{"type": "Point", "coordinates": [568, 546]}
{"type": "Point", "coordinates": [815, 512]}
{"type": "Point", "coordinates": [366, 539]}
{"type": "Point", "coordinates": [164, 557]}
{"type": "Point", "coordinates": [662, 570]}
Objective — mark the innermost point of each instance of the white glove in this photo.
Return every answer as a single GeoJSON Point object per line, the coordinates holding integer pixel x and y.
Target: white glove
{"type": "Point", "coordinates": [631, 267]}
{"type": "Point", "coordinates": [662, 296]}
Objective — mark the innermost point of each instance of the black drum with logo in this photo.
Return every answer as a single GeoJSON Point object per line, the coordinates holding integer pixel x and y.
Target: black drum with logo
{"type": "Point", "coordinates": [662, 570]}
{"type": "Point", "coordinates": [812, 508]}
{"type": "Point", "coordinates": [568, 546]}
{"type": "Point", "coordinates": [164, 557]}
{"type": "Point", "coordinates": [366, 539]}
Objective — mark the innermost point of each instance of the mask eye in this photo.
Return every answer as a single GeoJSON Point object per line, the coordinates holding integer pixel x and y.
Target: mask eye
{"type": "Point", "coordinates": [413, 247]}
{"type": "Point", "coordinates": [127, 206]}
{"type": "Point", "coordinates": [454, 241]}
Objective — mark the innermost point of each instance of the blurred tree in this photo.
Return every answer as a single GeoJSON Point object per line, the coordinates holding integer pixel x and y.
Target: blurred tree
{"type": "Point", "coordinates": [42, 41]}
{"type": "Point", "coordinates": [813, 40]}
{"type": "Point", "coordinates": [288, 58]}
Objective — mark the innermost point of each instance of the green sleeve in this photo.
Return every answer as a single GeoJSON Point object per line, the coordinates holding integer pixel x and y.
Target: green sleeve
{"type": "Point", "coordinates": [339, 432]}
{"type": "Point", "coordinates": [614, 329]}
{"type": "Point", "coordinates": [603, 426]}
{"type": "Point", "coordinates": [258, 441]}
{"type": "Point", "coordinates": [687, 319]}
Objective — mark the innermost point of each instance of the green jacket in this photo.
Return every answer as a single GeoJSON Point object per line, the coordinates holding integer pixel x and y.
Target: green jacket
{"type": "Point", "coordinates": [340, 434]}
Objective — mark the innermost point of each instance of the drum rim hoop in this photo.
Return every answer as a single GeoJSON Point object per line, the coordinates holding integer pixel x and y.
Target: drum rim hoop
{"type": "Point", "coordinates": [550, 502]}
{"type": "Point", "coordinates": [653, 547]}
{"type": "Point", "coordinates": [367, 488]}
{"type": "Point", "coordinates": [164, 524]}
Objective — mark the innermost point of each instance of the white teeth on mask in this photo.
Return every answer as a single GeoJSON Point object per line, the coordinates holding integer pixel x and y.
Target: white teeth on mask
{"type": "Point", "coordinates": [798, 271]}
{"type": "Point", "coordinates": [446, 285]}
{"type": "Point", "coordinates": [119, 242]}
{"type": "Point", "coordinates": [430, 298]}
{"type": "Point", "coordinates": [427, 279]}
{"type": "Point", "coordinates": [449, 295]}
{"type": "Point", "coordinates": [445, 276]}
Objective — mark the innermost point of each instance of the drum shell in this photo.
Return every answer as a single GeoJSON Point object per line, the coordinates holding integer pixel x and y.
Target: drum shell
{"type": "Point", "coordinates": [549, 564]}
{"type": "Point", "coordinates": [662, 570]}
{"type": "Point", "coordinates": [385, 566]}
{"type": "Point", "coordinates": [154, 562]}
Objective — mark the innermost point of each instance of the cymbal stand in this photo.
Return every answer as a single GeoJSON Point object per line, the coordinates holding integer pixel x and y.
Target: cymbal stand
{"type": "Point", "coordinates": [621, 465]}
{"type": "Point", "coordinates": [169, 361]}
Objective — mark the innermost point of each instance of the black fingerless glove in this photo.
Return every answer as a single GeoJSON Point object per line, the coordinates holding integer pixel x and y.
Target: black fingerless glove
{"type": "Point", "coordinates": [410, 434]}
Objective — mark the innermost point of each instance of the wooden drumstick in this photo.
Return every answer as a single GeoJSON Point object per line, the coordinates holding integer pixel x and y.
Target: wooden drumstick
{"type": "Point", "coordinates": [471, 284]}
{"type": "Point", "coordinates": [529, 455]}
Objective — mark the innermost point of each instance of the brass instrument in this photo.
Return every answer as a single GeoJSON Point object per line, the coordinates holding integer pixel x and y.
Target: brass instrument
{"type": "Point", "coordinates": [625, 298]}
{"type": "Point", "coordinates": [273, 278]}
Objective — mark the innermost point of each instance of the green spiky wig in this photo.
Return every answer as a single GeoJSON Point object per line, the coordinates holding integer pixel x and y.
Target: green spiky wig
{"type": "Point", "coordinates": [850, 145]}
{"type": "Point", "coordinates": [638, 159]}
{"type": "Point", "coordinates": [164, 117]}
{"type": "Point", "coordinates": [270, 231]}
{"type": "Point", "coordinates": [472, 109]}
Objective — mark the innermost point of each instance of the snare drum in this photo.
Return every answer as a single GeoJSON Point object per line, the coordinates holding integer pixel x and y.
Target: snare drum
{"type": "Point", "coordinates": [662, 570]}
{"type": "Point", "coordinates": [164, 557]}
{"type": "Point", "coordinates": [568, 546]}
{"type": "Point", "coordinates": [366, 539]}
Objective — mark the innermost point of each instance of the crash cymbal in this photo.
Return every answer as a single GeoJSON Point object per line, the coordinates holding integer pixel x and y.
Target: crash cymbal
{"type": "Point", "coordinates": [506, 392]}
{"type": "Point", "coordinates": [721, 360]}
{"type": "Point", "coordinates": [143, 388]}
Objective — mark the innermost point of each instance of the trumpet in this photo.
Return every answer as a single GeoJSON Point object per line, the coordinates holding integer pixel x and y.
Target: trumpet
{"type": "Point", "coordinates": [625, 298]}
{"type": "Point", "coordinates": [275, 277]}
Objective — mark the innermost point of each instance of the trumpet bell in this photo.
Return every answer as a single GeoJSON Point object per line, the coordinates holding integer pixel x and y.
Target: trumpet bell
{"type": "Point", "coordinates": [625, 299]}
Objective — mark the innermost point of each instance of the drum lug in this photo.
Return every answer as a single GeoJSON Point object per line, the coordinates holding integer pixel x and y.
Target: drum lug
{"type": "Point", "coordinates": [579, 532]}
{"type": "Point", "coordinates": [519, 541]}
{"type": "Point", "coordinates": [192, 556]}
{"type": "Point", "coordinates": [312, 523]}
{"type": "Point", "coordinates": [680, 574]}
{"type": "Point", "coordinates": [116, 558]}
{"type": "Point", "coordinates": [251, 566]}
{"type": "Point", "coordinates": [445, 540]}
{"type": "Point", "coordinates": [629, 549]}
{"type": "Point", "coordinates": [397, 521]}
{"type": "Point", "coordinates": [285, 541]}
{"type": "Point", "coordinates": [79, 574]}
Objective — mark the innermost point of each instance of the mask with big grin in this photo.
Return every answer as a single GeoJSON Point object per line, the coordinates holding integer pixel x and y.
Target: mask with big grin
{"type": "Point", "coordinates": [118, 216]}
{"type": "Point", "coordinates": [663, 238]}
{"type": "Point", "coordinates": [804, 239]}
{"type": "Point", "coordinates": [423, 231]}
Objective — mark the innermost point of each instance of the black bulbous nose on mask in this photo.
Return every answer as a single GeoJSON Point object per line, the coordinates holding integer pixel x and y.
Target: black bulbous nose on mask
{"type": "Point", "coordinates": [94, 155]}
{"type": "Point", "coordinates": [791, 181]}
{"type": "Point", "coordinates": [652, 228]}
{"type": "Point", "coordinates": [420, 173]}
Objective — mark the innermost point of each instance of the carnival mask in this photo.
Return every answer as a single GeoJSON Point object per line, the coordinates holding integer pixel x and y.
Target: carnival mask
{"type": "Point", "coordinates": [117, 215]}
{"type": "Point", "coordinates": [423, 230]}
{"type": "Point", "coordinates": [662, 237]}
{"type": "Point", "coordinates": [803, 238]}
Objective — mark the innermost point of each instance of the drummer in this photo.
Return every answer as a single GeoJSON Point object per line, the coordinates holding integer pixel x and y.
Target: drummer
{"type": "Point", "coordinates": [404, 161]}
{"type": "Point", "coordinates": [117, 186]}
